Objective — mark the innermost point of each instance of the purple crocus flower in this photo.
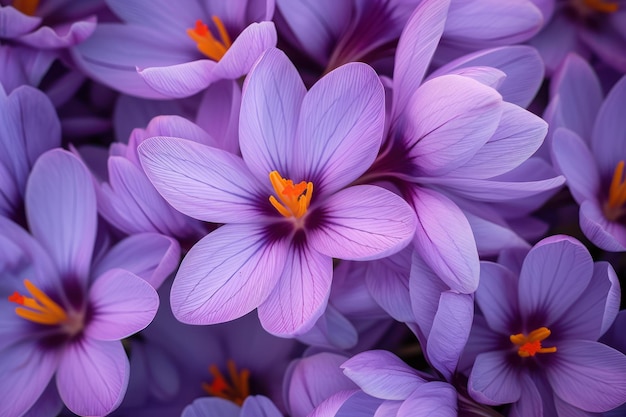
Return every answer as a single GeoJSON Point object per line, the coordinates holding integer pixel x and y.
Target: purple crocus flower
{"type": "Point", "coordinates": [275, 250]}
{"type": "Point", "coordinates": [29, 126]}
{"type": "Point", "coordinates": [255, 406]}
{"type": "Point", "coordinates": [63, 315]}
{"type": "Point", "coordinates": [587, 27]}
{"type": "Point", "coordinates": [588, 148]}
{"type": "Point", "coordinates": [174, 51]}
{"type": "Point", "coordinates": [535, 343]}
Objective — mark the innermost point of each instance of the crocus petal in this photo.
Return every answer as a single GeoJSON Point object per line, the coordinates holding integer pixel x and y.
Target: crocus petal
{"type": "Point", "coordinates": [382, 374]}
{"type": "Point", "coordinates": [340, 127]}
{"type": "Point", "coordinates": [555, 273]}
{"type": "Point", "coordinates": [521, 64]}
{"type": "Point", "coordinates": [205, 183]}
{"type": "Point", "coordinates": [588, 375]}
{"type": "Point", "coordinates": [48, 404]}
{"type": "Point", "coordinates": [211, 407]}
{"type": "Point", "coordinates": [16, 23]}
{"type": "Point", "coordinates": [180, 80]}
{"type": "Point", "coordinates": [300, 295]}
{"type": "Point", "coordinates": [259, 406]}
{"type": "Point", "coordinates": [497, 296]}
{"type": "Point", "coordinates": [563, 408]}
{"type": "Point", "coordinates": [61, 211]}
{"type": "Point", "coordinates": [25, 371]}
{"type": "Point", "coordinates": [609, 131]}
{"type": "Point", "coordinates": [445, 241]}
{"type": "Point", "coordinates": [270, 105]}
{"type": "Point", "coordinates": [93, 376]}
{"type": "Point", "coordinates": [610, 236]}
{"type": "Point", "coordinates": [449, 119]}
{"type": "Point", "coordinates": [227, 274]}
{"type": "Point", "coordinates": [122, 304]}
{"type": "Point", "coordinates": [518, 136]}
{"type": "Point", "coordinates": [556, 40]}
{"type": "Point", "coordinates": [363, 222]}
{"type": "Point", "coordinates": [332, 405]}
{"type": "Point", "coordinates": [494, 380]}
{"type": "Point", "coordinates": [574, 159]}
{"type": "Point", "coordinates": [415, 49]}
{"type": "Point", "coordinates": [62, 36]}
{"type": "Point", "coordinates": [529, 404]}
{"type": "Point", "coordinates": [332, 331]}
{"type": "Point", "coordinates": [218, 114]}
{"type": "Point", "coordinates": [246, 50]}
{"type": "Point", "coordinates": [434, 398]}
{"type": "Point", "coordinates": [179, 127]}
{"type": "Point", "coordinates": [609, 45]}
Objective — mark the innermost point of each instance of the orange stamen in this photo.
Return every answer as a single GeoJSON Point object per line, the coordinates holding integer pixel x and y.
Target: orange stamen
{"type": "Point", "coordinates": [238, 388]}
{"type": "Point", "coordinates": [207, 44]}
{"type": "Point", "coordinates": [613, 207]}
{"type": "Point", "coordinates": [602, 6]}
{"type": "Point", "coordinates": [39, 308]}
{"type": "Point", "coordinates": [531, 345]}
{"type": "Point", "coordinates": [28, 7]}
{"type": "Point", "coordinates": [294, 199]}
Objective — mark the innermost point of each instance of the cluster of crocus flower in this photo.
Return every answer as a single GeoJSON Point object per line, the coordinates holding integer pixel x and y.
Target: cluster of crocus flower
{"type": "Point", "coordinates": [311, 208]}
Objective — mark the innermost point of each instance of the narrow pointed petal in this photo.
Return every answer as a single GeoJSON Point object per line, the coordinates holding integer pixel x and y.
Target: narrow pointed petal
{"type": "Point", "coordinates": [270, 106]}
{"type": "Point", "coordinates": [588, 375]}
{"type": "Point", "coordinates": [340, 128]}
{"type": "Point", "coordinates": [449, 119]}
{"type": "Point", "coordinates": [565, 268]}
{"type": "Point", "coordinates": [445, 241]}
{"type": "Point", "coordinates": [93, 376]}
{"type": "Point", "coordinates": [431, 399]}
{"type": "Point", "coordinates": [382, 374]}
{"type": "Point", "coordinates": [425, 289]}
{"type": "Point", "coordinates": [494, 380]}
{"type": "Point", "coordinates": [179, 80]}
{"type": "Point", "coordinates": [122, 304]}
{"type": "Point", "coordinates": [227, 274]}
{"type": "Point", "coordinates": [61, 211]}
{"type": "Point", "coordinates": [416, 47]}
{"type": "Point", "coordinates": [25, 371]}
{"type": "Point", "coordinates": [205, 183]}
{"type": "Point", "coordinates": [301, 294]}
{"type": "Point", "coordinates": [363, 222]}
{"type": "Point", "coordinates": [574, 159]}
{"type": "Point", "coordinates": [497, 296]}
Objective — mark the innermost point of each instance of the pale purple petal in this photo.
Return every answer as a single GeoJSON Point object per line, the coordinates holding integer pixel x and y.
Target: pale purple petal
{"type": "Point", "coordinates": [574, 159]}
{"type": "Point", "coordinates": [361, 223]}
{"type": "Point", "coordinates": [61, 36]}
{"type": "Point", "coordinates": [25, 371]}
{"type": "Point", "coordinates": [211, 407]}
{"type": "Point", "coordinates": [610, 236]}
{"type": "Point", "coordinates": [563, 408]}
{"type": "Point", "coordinates": [607, 44]}
{"type": "Point", "coordinates": [555, 273]}
{"type": "Point", "coordinates": [555, 41]}
{"type": "Point", "coordinates": [218, 114]}
{"type": "Point", "coordinates": [93, 376]}
{"type": "Point", "coordinates": [494, 380]}
{"type": "Point", "coordinates": [431, 399]}
{"type": "Point", "coordinates": [150, 256]}
{"type": "Point", "coordinates": [445, 241]}
{"type": "Point", "coordinates": [340, 127]}
{"type": "Point", "coordinates": [259, 406]}
{"type": "Point", "coordinates": [270, 106]}
{"type": "Point", "coordinates": [61, 211]}
{"type": "Point", "coordinates": [301, 293]}
{"type": "Point", "coordinates": [227, 274]}
{"type": "Point", "coordinates": [331, 331]}
{"type": "Point", "coordinates": [205, 183]}
{"type": "Point", "coordinates": [179, 127]}
{"type": "Point", "coordinates": [48, 404]}
{"type": "Point", "coordinates": [16, 23]}
{"type": "Point", "coordinates": [333, 405]}
{"type": "Point", "coordinates": [382, 374]}
{"type": "Point", "coordinates": [491, 77]}
{"type": "Point", "coordinates": [121, 304]}
{"type": "Point", "coordinates": [530, 403]}
{"type": "Point", "coordinates": [449, 119]}
{"type": "Point", "coordinates": [425, 289]}
{"type": "Point", "coordinates": [497, 297]}
{"type": "Point", "coordinates": [180, 80]}
{"type": "Point", "coordinates": [415, 49]}
{"type": "Point", "coordinates": [588, 375]}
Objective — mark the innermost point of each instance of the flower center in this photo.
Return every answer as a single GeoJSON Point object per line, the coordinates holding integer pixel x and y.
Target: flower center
{"type": "Point", "coordinates": [531, 345]}
{"type": "Point", "coordinates": [207, 44]}
{"type": "Point", "coordinates": [235, 390]}
{"type": "Point", "coordinates": [614, 206]}
{"type": "Point", "coordinates": [28, 7]}
{"type": "Point", "coordinates": [588, 7]}
{"type": "Point", "coordinates": [294, 199]}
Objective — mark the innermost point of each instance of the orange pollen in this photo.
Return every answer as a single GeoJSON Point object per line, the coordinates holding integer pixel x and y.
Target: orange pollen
{"type": "Point", "coordinates": [613, 207]}
{"type": "Point", "coordinates": [294, 199]}
{"type": "Point", "coordinates": [238, 388]}
{"type": "Point", "coordinates": [207, 44]}
{"type": "Point", "coordinates": [39, 308]}
{"type": "Point", "coordinates": [28, 7]}
{"type": "Point", "coordinates": [531, 345]}
{"type": "Point", "coordinates": [602, 6]}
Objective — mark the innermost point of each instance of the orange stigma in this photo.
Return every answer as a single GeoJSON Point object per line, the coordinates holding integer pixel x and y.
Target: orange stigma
{"type": "Point", "coordinates": [238, 388]}
{"type": "Point", "coordinates": [207, 44]}
{"type": "Point", "coordinates": [294, 199]}
{"type": "Point", "coordinates": [28, 7]}
{"type": "Point", "coordinates": [614, 206]}
{"type": "Point", "coordinates": [602, 6]}
{"type": "Point", "coordinates": [38, 309]}
{"type": "Point", "coordinates": [531, 345]}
